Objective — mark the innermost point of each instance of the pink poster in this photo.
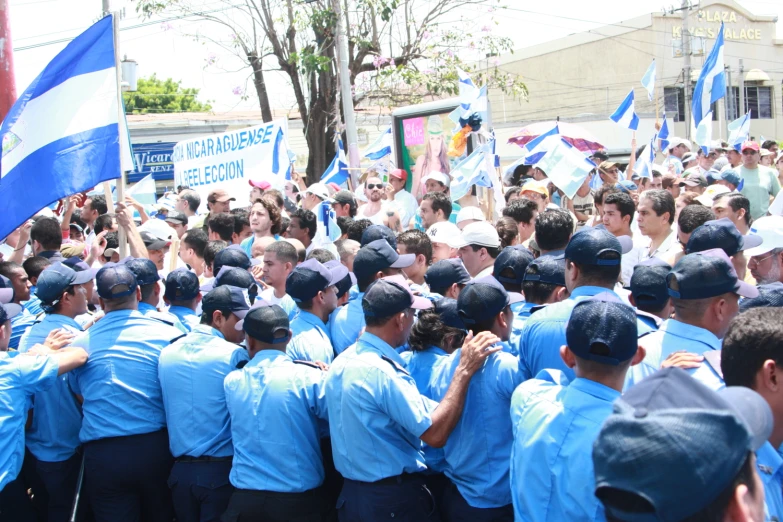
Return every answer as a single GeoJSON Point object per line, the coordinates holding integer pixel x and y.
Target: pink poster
{"type": "Point", "coordinates": [414, 131]}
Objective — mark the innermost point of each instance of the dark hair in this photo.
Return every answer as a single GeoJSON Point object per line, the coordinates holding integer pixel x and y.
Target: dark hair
{"type": "Point", "coordinates": [377, 321]}
{"type": "Point", "coordinates": [537, 292]}
{"type": "Point", "coordinates": [344, 222]}
{"type": "Point", "coordinates": [554, 227]}
{"type": "Point", "coordinates": [357, 228]}
{"type": "Point", "coordinates": [7, 268]}
{"type": "Point", "coordinates": [103, 222]}
{"type": "Point", "coordinates": [146, 290]}
{"type": "Point", "coordinates": [662, 201]}
{"type": "Point", "coordinates": [429, 330]}
{"type": "Point", "coordinates": [768, 143]}
{"type": "Point", "coordinates": [623, 202]}
{"type": "Point", "coordinates": [285, 252]}
{"type": "Point", "coordinates": [284, 221]}
{"type": "Point", "coordinates": [513, 191]}
{"type": "Point", "coordinates": [47, 232]}
{"type": "Point", "coordinates": [98, 203]}
{"type": "Point", "coordinates": [275, 216]}
{"type": "Point", "coordinates": [196, 239]}
{"type": "Point", "coordinates": [694, 216]}
{"type": "Point", "coordinates": [737, 201]}
{"type": "Point", "coordinates": [439, 201]}
{"type": "Point", "coordinates": [306, 220]}
{"type": "Point", "coordinates": [241, 220]}
{"type": "Point", "coordinates": [223, 225]}
{"type": "Point", "coordinates": [364, 283]}
{"type": "Point", "coordinates": [601, 193]}
{"type": "Point", "coordinates": [492, 251]}
{"type": "Point", "coordinates": [668, 181]}
{"type": "Point", "coordinates": [211, 250]}
{"type": "Point", "coordinates": [321, 255]}
{"type": "Point", "coordinates": [112, 240]}
{"type": "Point", "coordinates": [35, 265]}
{"type": "Point", "coordinates": [521, 210]}
{"type": "Point", "coordinates": [206, 315]}
{"type": "Point", "coordinates": [507, 231]}
{"type": "Point", "coordinates": [192, 198]}
{"type": "Point", "coordinates": [753, 337]}
{"type": "Point", "coordinates": [416, 242]}
{"type": "Point", "coordinates": [275, 196]}
{"type": "Point", "coordinates": [599, 275]}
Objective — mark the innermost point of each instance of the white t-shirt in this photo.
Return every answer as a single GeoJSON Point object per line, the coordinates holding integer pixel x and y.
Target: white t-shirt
{"type": "Point", "coordinates": [377, 218]}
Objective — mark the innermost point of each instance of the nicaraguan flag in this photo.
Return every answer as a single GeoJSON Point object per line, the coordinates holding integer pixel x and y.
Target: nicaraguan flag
{"type": "Point", "coordinates": [473, 170]}
{"type": "Point", "coordinates": [645, 162]}
{"type": "Point", "coordinates": [648, 81]}
{"type": "Point", "coordinates": [663, 134]}
{"type": "Point", "coordinates": [381, 148]}
{"type": "Point", "coordinates": [566, 167]}
{"type": "Point", "coordinates": [625, 114]}
{"type": "Point", "coordinates": [63, 135]}
{"type": "Point", "coordinates": [739, 131]}
{"type": "Point", "coordinates": [281, 160]}
{"type": "Point", "coordinates": [337, 171]}
{"type": "Point", "coordinates": [536, 148]}
{"type": "Point", "coordinates": [704, 133]}
{"type": "Point", "coordinates": [711, 86]}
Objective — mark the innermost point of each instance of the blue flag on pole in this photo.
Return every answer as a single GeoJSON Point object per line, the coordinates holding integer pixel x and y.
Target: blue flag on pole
{"type": "Point", "coordinates": [739, 132]}
{"type": "Point", "coordinates": [711, 86]}
{"type": "Point", "coordinates": [645, 162]}
{"type": "Point", "coordinates": [566, 167]}
{"type": "Point", "coordinates": [476, 169]}
{"type": "Point", "coordinates": [625, 114]}
{"type": "Point", "coordinates": [281, 161]}
{"type": "Point", "coordinates": [536, 148]}
{"type": "Point", "coordinates": [63, 134]}
{"type": "Point", "coordinates": [663, 134]}
{"type": "Point", "coordinates": [337, 171]}
{"type": "Point", "coordinates": [381, 148]}
{"type": "Point", "coordinates": [648, 80]}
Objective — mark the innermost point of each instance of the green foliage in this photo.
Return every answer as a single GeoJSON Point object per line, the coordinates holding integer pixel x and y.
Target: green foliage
{"type": "Point", "coordinates": [159, 96]}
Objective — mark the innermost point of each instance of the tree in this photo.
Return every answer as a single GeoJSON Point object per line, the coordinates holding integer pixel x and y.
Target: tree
{"type": "Point", "coordinates": [154, 95]}
{"type": "Point", "coordinates": [400, 52]}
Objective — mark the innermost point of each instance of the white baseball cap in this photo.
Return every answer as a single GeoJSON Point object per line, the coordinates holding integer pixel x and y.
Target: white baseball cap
{"type": "Point", "coordinates": [443, 232]}
{"type": "Point", "coordinates": [674, 141]}
{"type": "Point", "coordinates": [470, 213]}
{"type": "Point", "coordinates": [770, 229]}
{"type": "Point", "coordinates": [710, 192]}
{"type": "Point", "coordinates": [320, 190]}
{"type": "Point", "coordinates": [481, 233]}
{"type": "Point", "coordinates": [438, 176]}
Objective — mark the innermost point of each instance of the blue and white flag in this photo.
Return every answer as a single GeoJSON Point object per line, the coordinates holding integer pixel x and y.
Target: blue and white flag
{"type": "Point", "coordinates": [625, 114]}
{"type": "Point", "coordinates": [739, 132]}
{"type": "Point", "coordinates": [472, 100]}
{"type": "Point", "coordinates": [704, 133]}
{"type": "Point", "coordinates": [337, 171]}
{"type": "Point", "coordinates": [381, 148]}
{"type": "Point", "coordinates": [281, 159]}
{"type": "Point", "coordinates": [144, 191]}
{"type": "Point", "coordinates": [566, 167]}
{"type": "Point", "coordinates": [663, 134]}
{"type": "Point", "coordinates": [476, 169]}
{"type": "Point", "coordinates": [63, 135]}
{"type": "Point", "coordinates": [645, 162]}
{"type": "Point", "coordinates": [711, 86]}
{"type": "Point", "coordinates": [536, 148]}
{"type": "Point", "coordinates": [648, 81]}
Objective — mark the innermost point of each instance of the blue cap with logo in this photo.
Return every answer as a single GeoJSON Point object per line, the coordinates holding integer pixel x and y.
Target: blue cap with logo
{"type": "Point", "coordinates": [690, 441]}
{"type": "Point", "coordinates": [516, 258]}
{"type": "Point", "coordinates": [441, 275]}
{"type": "Point", "coordinates": [308, 278]}
{"type": "Point", "coordinates": [374, 232]}
{"type": "Point", "coordinates": [723, 234]}
{"type": "Point", "coordinates": [648, 283]}
{"type": "Point", "coordinates": [231, 256]}
{"type": "Point", "coordinates": [145, 270]}
{"type": "Point", "coordinates": [227, 298]}
{"type": "Point", "coordinates": [706, 274]}
{"type": "Point", "coordinates": [547, 269]}
{"type": "Point", "coordinates": [596, 246]}
{"type": "Point", "coordinates": [181, 285]}
{"type": "Point", "coordinates": [484, 298]}
{"type": "Point", "coordinates": [603, 329]}
{"type": "Point", "coordinates": [376, 256]}
{"type": "Point", "coordinates": [114, 281]}
{"type": "Point", "coordinates": [55, 279]}
{"type": "Point", "coordinates": [266, 323]}
{"type": "Point", "coordinates": [391, 295]}
{"type": "Point", "coordinates": [770, 295]}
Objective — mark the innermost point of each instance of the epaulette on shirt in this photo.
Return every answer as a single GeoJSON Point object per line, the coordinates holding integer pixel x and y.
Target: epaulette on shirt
{"type": "Point", "coordinates": [537, 308]}
{"type": "Point", "coordinates": [311, 364]}
{"type": "Point", "coordinates": [397, 366]}
{"type": "Point", "coordinates": [713, 359]}
{"type": "Point", "coordinates": [162, 318]}
{"type": "Point", "coordinates": [177, 338]}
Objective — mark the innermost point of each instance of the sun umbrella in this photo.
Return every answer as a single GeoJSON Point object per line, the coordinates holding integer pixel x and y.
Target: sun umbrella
{"type": "Point", "coordinates": [573, 134]}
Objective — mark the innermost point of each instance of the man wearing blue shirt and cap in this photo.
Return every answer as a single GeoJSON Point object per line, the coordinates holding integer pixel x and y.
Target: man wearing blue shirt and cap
{"type": "Point", "coordinates": [379, 419]}
{"type": "Point", "coordinates": [126, 446]}
{"type": "Point", "coordinates": [148, 280]}
{"type": "Point", "coordinates": [276, 406]}
{"type": "Point", "coordinates": [555, 420]}
{"type": "Point", "coordinates": [542, 285]}
{"type": "Point", "coordinates": [374, 260]}
{"type": "Point", "coordinates": [478, 450]}
{"type": "Point", "coordinates": [510, 269]}
{"type": "Point", "coordinates": [191, 372]}
{"type": "Point", "coordinates": [13, 277]}
{"type": "Point", "coordinates": [650, 293]}
{"type": "Point", "coordinates": [723, 234]}
{"type": "Point", "coordinates": [447, 277]}
{"type": "Point", "coordinates": [313, 288]}
{"type": "Point", "coordinates": [182, 295]}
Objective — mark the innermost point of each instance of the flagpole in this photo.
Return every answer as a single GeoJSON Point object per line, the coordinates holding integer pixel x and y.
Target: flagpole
{"type": "Point", "coordinates": [115, 23]}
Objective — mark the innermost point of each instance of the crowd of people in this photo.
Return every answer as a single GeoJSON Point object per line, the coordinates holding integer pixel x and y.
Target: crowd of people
{"type": "Point", "coordinates": [615, 355]}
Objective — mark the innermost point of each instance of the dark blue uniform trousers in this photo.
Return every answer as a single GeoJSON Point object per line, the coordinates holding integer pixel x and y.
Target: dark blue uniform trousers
{"type": "Point", "coordinates": [15, 504]}
{"type": "Point", "coordinates": [60, 480]}
{"type": "Point", "coordinates": [200, 488]}
{"type": "Point", "coordinates": [404, 498]}
{"type": "Point", "coordinates": [457, 509]}
{"type": "Point", "coordinates": [126, 478]}
{"type": "Point", "coordinates": [270, 506]}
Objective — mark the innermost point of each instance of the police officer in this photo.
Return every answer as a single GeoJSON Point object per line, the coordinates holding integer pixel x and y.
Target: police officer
{"type": "Point", "coordinates": [446, 278]}
{"type": "Point", "coordinates": [148, 280]}
{"type": "Point", "coordinates": [477, 460]}
{"type": "Point", "coordinates": [556, 421]}
{"type": "Point", "coordinates": [53, 437]}
{"type": "Point", "coordinates": [649, 293]}
{"type": "Point", "coordinates": [126, 446]}
{"type": "Point", "coordinates": [191, 372]}
{"type": "Point", "coordinates": [379, 419]}
{"type": "Point", "coordinates": [343, 286]}
{"type": "Point", "coordinates": [20, 378]}
{"type": "Point", "coordinates": [314, 289]}
{"type": "Point", "coordinates": [542, 285]}
{"type": "Point", "coordinates": [275, 406]}
{"type": "Point", "coordinates": [509, 270]}
{"type": "Point", "coordinates": [182, 296]}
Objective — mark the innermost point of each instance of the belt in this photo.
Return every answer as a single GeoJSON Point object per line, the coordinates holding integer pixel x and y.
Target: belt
{"type": "Point", "coordinates": [398, 479]}
{"type": "Point", "coordinates": [185, 458]}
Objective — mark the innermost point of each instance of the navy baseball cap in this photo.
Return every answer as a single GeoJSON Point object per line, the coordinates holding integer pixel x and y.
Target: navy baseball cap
{"type": "Point", "coordinates": [266, 323]}
{"type": "Point", "coordinates": [8, 311]}
{"type": "Point", "coordinates": [444, 273]}
{"type": "Point", "coordinates": [770, 295]}
{"type": "Point", "coordinates": [181, 285]}
{"type": "Point", "coordinates": [6, 290]}
{"type": "Point", "coordinates": [690, 441]}
{"type": "Point", "coordinates": [152, 242]}
{"type": "Point", "coordinates": [226, 297]}
{"type": "Point", "coordinates": [374, 232]}
{"type": "Point", "coordinates": [484, 298]}
{"type": "Point", "coordinates": [391, 295]}
{"type": "Point", "coordinates": [626, 186]}
{"type": "Point", "coordinates": [596, 246]}
{"type": "Point", "coordinates": [308, 278]}
{"type": "Point", "coordinates": [55, 279]}
{"type": "Point", "coordinates": [79, 266]}
{"type": "Point", "coordinates": [731, 176]}
{"type": "Point", "coordinates": [343, 285]}
{"type": "Point", "coordinates": [448, 310]}
{"type": "Point", "coordinates": [145, 270]}
{"type": "Point", "coordinates": [231, 256]}
{"type": "Point", "coordinates": [517, 258]}
{"type": "Point", "coordinates": [706, 274]}
{"type": "Point", "coordinates": [378, 255]}
{"type": "Point", "coordinates": [603, 329]}
{"type": "Point", "coordinates": [723, 234]}
{"type": "Point", "coordinates": [114, 281]}
{"type": "Point", "coordinates": [648, 283]}
{"type": "Point", "coordinates": [547, 269]}
{"type": "Point", "coordinates": [233, 276]}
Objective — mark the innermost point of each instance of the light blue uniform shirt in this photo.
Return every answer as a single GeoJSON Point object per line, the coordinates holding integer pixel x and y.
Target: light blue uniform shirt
{"type": "Point", "coordinates": [275, 406]}
{"type": "Point", "coordinates": [521, 313]}
{"type": "Point", "coordinates": [346, 322]}
{"type": "Point", "coordinates": [19, 326]}
{"type": "Point", "coordinates": [191, 373]}
{"type": "Point", "coordinates": [770, 468]}
{"type": "Point", "coordinates": [34, 304]}
{"type": "Point", "coordinates": [20, 378]}
{"type": "Point", "coordinates": [57, 415]}
{"type": "Point", "coordinates": [120, 382]}
{"type": "Point", "coordinates": [189, 318]}
{"type": "Point", "coordinates": [376, 413]}
{"type": "Point", "coordinates": [310, 339]}
{"type": "Point", "coordinates": [148, 310]}
{"type": "Point", "coordinates": [555, 424]}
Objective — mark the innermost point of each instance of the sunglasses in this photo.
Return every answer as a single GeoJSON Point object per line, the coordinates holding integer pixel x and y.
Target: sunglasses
{"type": "Point", "coordinates": [374, 186]}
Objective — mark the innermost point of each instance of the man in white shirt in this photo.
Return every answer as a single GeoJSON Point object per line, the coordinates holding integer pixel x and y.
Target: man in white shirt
{"type": "Point", "coordinates": [402, 200]}
{"type": "Point", "coordinates": [478, 246]}
{"type": "Point", "coordinates": [376, 209]}
{"type": "Point", "coordinates": [618, 213]}
{"type": "Point", "coordinates": [655, 216]}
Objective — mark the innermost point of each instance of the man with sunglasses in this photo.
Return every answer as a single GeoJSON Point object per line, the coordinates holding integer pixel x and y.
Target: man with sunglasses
{"type": "Point", "coordinates": [765, 261]}
{"type": "Point", "coordinates": [759, 182]}
{"type": "Point", "coordinates": [378, 209]}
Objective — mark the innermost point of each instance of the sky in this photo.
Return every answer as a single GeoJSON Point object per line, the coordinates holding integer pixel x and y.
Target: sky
{"type": "Point", "coordinates": [170, 48]}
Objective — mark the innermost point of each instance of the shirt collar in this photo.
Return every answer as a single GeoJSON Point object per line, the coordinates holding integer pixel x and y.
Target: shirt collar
{"type": "Point", "coordinates": [182, 310]}
{"type": "Point", "coordinates": [769, 462]}
{"type": "Point", "coordinates": [205, 329]}
{"type": "Point", "coordinates": [311, 318]}
{"type": "Point", "coordinates": [688, 331]}
{"type": "Point", "coordinates": [590, 291]}
{"type": "Point", "coordinates": [146, 307]}
{"type": "Point", "coordinates": [63, 320]}
{"type": "Point", "coordinates": [377, 344]}
{"type": "Point", "coordinates": [265, 357]}
{"type": "Point", "coordinates": [596, 389]}
{"type": "Point", "coordinates": [436, 350]}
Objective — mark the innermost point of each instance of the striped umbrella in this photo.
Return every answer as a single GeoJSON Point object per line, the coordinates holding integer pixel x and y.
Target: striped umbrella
{"type": "Point", "coordinates": [573, 134]}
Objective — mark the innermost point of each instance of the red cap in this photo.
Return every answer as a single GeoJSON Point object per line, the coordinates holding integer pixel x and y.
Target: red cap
{"type": "Point", "coordinates": [334, 186]}
{"type": "Point", "coordinates": [750, 145]}
{"type": "Point", "coordinates": [399, 174]}
{"type": "Point", "coordinates": [263, 185]}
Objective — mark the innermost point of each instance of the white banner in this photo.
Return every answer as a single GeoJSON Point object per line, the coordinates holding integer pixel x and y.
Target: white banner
{"type": "Point", "coordinates": [228, 161]}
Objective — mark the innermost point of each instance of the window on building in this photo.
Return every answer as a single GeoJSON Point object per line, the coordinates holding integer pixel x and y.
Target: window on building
{"type": "Point", "coordinates": [758, 100]}
{"type": "Point", "coordinates": [674, 103]}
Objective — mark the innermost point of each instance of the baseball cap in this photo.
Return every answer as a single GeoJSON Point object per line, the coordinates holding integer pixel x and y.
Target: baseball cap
{"type": "Point", "coordinates": [178, 218]}
{"type": "Point", "coordinates": [484, 298]}
{"type": "Point", "coordinates": [6, 290]}
{"type": "Point", "coordinates": [145, 270]}
{"type": "Point", "coordinates": [114, 281]}
{"type": "Point", "coordinates": [231, 256]}
{"type": "Point", "coordinates": [8, 311]}
{"type": "Point", "coordinates": [263, 185]}
{"type": "Point", "coordinates": [603, 330]}
{"type": "Point", "coordinates": [55, 278]}
{"type": "Point", "coordinates": [481, 233]}
{"type": "Point", "coordinates": [595, 246]}
{"type": "Point", "coordinates": [181, 285]}
{"type": "Point", "coordinates": [674, 142]}
{"type": "Point", "coordinates": [232, 276]}
{"type": "Point", "coordinates": [730, 175]}
{"type": "Point", "coordinates": [320, 190]}
{"type": "Point", "coordinates": [687, 157]}
{"type": "Point", "coordinates": [308, 278]}
{"type": "Point", "coordinates": [448, 311]}
{"type": "Point", "coordinates": [391, 295]}
{"type": "Point", "coordinates": [546, 269]}
{"type": "Point", "coordinates": [77, 226]}
{"type": "Point", "coordinates": [226, 297]}
{"type": "Point", "coordinates": [466, 213]}
{"type": "Point", "coordinates": [600, 156]}
{"type": "Point", "coordinates": [723, 234]}
{"type": "Point", "coordinates": [765, 152]}
{"type": "Point", "coordinates": [78, 265]}
{"type": "Point", "coordinates": [770, 295]}
{"type": "Point", "coordinates": [770, 230]}
{"type": "Point", "coordinates": [343, 285]}
{"type": "Point", "coordinates": [517, 258]}
{"type": "Point", "coordinates": [344, 197]}
{"type": "Point", "coordinates": [693, 179]}
{"type": "Point", "coordinates": [374, 232]}
{"type": "Point", "coordinates": [445, 273]}
{"type": "Point", "coordinates": [536, 186]}
{"type": "Point", "coordinates": [152, 242]}
{"type": "Point", "coordinates": [750, 145]}
{"type": "Point", "coordinates": [378, 255]}
{"type": "Point", "coordinates": [444, 232]}
{"type": "Point", "coordinates": [266, 323]}
{"type": "Point", "coordinates": [219, 195]}
{"type": "Point", "coordinates": [706, 274]}
{"type": "Point", "coordinates": [626, 186]}
{"type": "Point", "coordinates": [648, 283]}
{"type": "Point", "coordinates": [437, 176]}
{"type": "Point", "coordinates": [690, 441]}
{"type": "Point", "coordinates": [399, 174]}
{"type": "Point", "coordinates": [710, 193]}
